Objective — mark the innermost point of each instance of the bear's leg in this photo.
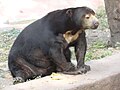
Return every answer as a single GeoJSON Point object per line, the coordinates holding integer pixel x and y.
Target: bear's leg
{"type": "Point", "coordinates": [15, 66]}
{"type": "Point", "coordinates": [21, 70]}
{"type": "Point", "coordinates": [67, 54]}
{"type": "Point", "coordinates": [64, 43]}
{"type": "Point", "coordinates": [80, 50]}
{"type": "Point", "coordinates": [41, 61]}
{"type": "Point", "coordinates": [58, 57]}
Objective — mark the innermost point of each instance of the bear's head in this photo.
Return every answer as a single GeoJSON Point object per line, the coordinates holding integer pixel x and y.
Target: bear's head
{"type": "Point", "coordinates": [84, 18]}
{"type": "Point", "coordinates": [89, 20]}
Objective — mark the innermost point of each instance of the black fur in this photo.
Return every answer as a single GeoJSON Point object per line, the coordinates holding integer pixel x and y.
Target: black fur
{"type": "Point", "coordinates": [40, 50]}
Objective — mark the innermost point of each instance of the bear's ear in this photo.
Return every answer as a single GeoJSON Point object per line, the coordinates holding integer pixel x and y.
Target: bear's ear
{"type": "Point", "coordinates": [69, 12]}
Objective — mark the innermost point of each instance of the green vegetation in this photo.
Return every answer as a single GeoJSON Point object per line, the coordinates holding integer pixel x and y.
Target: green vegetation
{"type": "Point", "coordinates": [7, 37]}
{"type": "Point", "coordinates": [101, 15]}
{"type": "Point", "coordinates": [97, 50]}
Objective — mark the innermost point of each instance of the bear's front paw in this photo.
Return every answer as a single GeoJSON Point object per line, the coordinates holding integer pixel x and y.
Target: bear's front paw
{"type": "Point", "coordinates": [84, 69]}
{"type": "Point", "coordinates": [71, 67]}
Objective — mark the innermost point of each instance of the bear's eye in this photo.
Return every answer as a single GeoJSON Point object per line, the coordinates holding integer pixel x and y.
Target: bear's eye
{"type": "Point", "coordinates": [87, 16]}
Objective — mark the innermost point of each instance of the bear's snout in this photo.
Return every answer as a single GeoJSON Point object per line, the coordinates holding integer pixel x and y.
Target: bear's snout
{"type": "Point", "coordinates": [95, 24]}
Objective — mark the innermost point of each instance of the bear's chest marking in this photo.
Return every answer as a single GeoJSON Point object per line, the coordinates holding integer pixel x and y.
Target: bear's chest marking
{"type": "Point", "coordinates": [69, 37]}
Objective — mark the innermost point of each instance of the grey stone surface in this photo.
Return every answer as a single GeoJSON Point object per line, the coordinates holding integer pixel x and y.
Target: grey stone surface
{"type": "Point", "coordinates": [104, 75]}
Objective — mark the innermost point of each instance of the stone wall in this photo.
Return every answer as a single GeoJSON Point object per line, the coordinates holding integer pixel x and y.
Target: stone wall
{"type": "Point", "coordinates": [104, 75]}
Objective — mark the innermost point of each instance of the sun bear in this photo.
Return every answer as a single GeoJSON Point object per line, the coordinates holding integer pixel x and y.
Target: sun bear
{"type": "Point", "coordinates": [43, 46]}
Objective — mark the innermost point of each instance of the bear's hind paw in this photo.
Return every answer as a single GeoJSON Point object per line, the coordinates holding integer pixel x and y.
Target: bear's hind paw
{"type": "Point", "coordinates": [18, 80]}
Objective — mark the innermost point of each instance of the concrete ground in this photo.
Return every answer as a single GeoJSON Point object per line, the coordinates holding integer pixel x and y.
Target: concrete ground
{"type": "Point", "coordinates": [104, 75]}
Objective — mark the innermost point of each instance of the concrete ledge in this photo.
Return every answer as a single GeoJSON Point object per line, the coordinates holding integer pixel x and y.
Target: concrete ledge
{"type": "Point", "coordinates": [105, 75]}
